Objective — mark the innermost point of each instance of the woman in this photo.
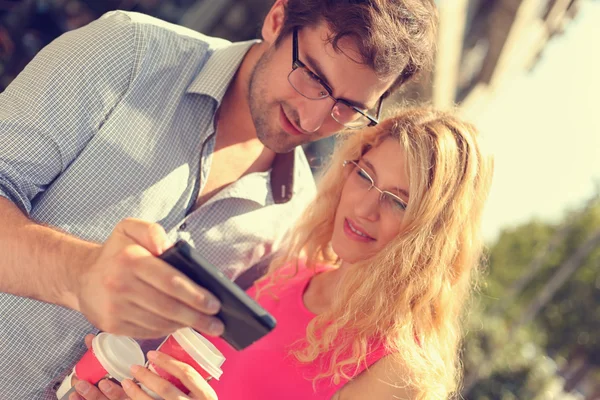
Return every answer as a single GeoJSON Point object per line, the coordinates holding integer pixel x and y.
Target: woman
{"type": "Point", "coordinates": [369, 290]}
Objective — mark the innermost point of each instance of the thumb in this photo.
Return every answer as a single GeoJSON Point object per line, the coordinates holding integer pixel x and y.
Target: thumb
{"type": "Point", "coordinates": [149, 235]}
{"type": "Point", "coordinates": [88, 340]}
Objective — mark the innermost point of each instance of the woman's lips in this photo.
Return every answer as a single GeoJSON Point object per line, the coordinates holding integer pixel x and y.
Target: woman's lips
{"type": "Point", "coordinates": [355, 236]}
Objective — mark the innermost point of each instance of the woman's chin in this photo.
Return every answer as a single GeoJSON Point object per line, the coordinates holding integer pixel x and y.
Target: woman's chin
{"type": "Point", "coordinates": [345, 251]}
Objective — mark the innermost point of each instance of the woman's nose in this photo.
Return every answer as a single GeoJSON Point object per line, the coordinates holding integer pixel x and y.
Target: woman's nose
{"type": "Point", "coordinates": [368, 206]}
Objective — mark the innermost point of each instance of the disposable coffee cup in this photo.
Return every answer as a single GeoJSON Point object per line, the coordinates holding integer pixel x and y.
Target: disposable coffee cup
{"type": "Point", "coordinates": [110, 356]}
{"type": "Point", "coordinates": [189, 347]}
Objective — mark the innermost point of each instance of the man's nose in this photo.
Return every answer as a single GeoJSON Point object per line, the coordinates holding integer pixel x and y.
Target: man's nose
{"type": "Point", "coordinates": [313, 113]}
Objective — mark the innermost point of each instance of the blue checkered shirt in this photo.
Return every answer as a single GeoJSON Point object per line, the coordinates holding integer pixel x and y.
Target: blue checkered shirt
{"type": "Point", "coordinates": [116, 120]}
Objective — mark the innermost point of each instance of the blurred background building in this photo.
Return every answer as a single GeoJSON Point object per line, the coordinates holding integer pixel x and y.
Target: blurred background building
{"type": "Point", "coordinates": [481, 42]}
{"type": "Point", "coordinates": [540, 306]}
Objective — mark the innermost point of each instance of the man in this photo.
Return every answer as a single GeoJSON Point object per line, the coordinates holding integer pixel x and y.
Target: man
{"type": "Point", "coordinates": [130, 133]}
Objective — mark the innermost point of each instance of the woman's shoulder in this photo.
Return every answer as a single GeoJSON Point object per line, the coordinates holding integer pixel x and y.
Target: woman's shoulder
{"type": "Point", "coordinates": [389, 377]}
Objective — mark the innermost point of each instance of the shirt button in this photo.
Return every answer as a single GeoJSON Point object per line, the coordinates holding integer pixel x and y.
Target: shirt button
{"type": "Point", "coordinates": [182, 226]}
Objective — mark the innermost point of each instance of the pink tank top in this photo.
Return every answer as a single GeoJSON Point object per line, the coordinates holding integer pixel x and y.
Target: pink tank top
{"type": "Point", "coordinates": [265, 370]}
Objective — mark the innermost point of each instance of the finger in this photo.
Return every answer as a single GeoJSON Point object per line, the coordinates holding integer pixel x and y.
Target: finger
{"type": "Point", "coordinates": [190, 378]}
{"type": "Point", "coordinates": [159, 275]}
{"type": "Point", "coordinates": [127, 328]}
{"type": "Point", "coordinates": [140, 332]}
{"type": "Point", "coordinates": [111, 390]}
{"type": "Point", "coordinates": [194, 295]}
{"type": "Point", "coordinates": [88, 340]}
{"type": "Point", "coordinates": [155, 324]}
{"type": "Point", "coordinates": [89, 392]}
{"type": "Point", "coordinates": [158, 385]}
{"type": "Point", "coordinates": [174, 284]}
{"type": "Point", "coordinates": [161, 307]}
{"type": "Point", "coordinates": [134, 391]}
{"type": "Point", "coordinates": [149, 235]}
{"type": "Point", "coordinates": [140, 319]}
{"type": "Point", "coordinates": [75, 396]}
{"type": "Point", "coordinates": [167, 314]}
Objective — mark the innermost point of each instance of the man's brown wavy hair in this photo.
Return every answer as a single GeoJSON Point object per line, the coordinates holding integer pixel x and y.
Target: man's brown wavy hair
{"type": "Point", "coordinates": [394, 37]}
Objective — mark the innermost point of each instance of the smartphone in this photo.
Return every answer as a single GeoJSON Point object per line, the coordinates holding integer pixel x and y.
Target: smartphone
{"type": "Point", "coordinates": [244, 319]}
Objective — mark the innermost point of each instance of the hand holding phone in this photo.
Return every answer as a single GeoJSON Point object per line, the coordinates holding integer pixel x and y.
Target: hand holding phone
{"type": "Point", "coordinates": [244, 319]}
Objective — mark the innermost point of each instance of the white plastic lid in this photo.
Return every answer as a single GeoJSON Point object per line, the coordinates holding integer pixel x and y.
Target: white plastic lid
{"type": "Point", "coordinates": [65, 386]}
{"type": "Point", "coordinates": [201, 350]}
{"type": "Point", "coordinates": [117, 354]}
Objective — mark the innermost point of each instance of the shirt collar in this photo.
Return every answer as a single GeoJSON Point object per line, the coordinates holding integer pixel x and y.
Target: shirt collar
{"type": "Point", "coordinates": [255, 187]}
{"type": "Point", "coordinates": [216, 75]}
{"type": "Point", "coordinates": [214, 79]}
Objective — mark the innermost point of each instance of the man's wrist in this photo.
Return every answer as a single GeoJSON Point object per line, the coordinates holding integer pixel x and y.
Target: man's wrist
{"type": "Point", "coordinates": [75, 272]}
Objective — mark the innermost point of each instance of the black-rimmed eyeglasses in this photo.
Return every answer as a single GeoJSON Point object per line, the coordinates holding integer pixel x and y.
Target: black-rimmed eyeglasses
{"type": "Point", "coordinates": [311, 86]}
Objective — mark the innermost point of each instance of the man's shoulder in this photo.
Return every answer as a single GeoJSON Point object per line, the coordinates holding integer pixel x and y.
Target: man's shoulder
{"type": "Point", "coordinates": [149, 24]}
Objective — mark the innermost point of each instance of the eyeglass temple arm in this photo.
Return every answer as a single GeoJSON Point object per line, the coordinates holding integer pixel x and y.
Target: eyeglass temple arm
{"type": "Point", "coordinates": [380, 106]}
{"type": "Point", "coordinates": [295, 46]}
{"type": "Point", "coordinates": [375, 121]}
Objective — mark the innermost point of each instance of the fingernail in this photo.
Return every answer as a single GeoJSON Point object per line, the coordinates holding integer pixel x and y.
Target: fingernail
{"type": "Point", "coordinates": [216, 328]}
{"type": "Point", "coordinates": [127, 384]}
{"type": "Point", "coordinates": [213, 305]}
{"type": "Point", "coordinates": [135, 368]}
{"type": "Point", "coordinates": [82, 387]}
{"type": "Point", "coordinates": [178, 282]}
{"type": "Point", "coordinates": [105, 386]}
{"type": "Point", "coordinates": [152, 355]}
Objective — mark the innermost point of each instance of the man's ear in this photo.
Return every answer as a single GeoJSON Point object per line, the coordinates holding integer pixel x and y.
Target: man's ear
{"type": "Point", "coordinates": [274, 22]}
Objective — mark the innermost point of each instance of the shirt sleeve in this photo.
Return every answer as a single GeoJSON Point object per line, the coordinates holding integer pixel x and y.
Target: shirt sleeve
{"type": "Point", "coordinates": [59, 101]}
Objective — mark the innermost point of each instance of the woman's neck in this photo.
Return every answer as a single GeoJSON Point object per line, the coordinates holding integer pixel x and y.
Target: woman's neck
{"type": "Point", "coordinates": [319, 294]}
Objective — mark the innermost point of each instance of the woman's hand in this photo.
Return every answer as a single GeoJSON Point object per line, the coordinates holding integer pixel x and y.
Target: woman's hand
{"type": "Point", "coordinates": [191, 379]}
{"type": "Point", "coordinates": [106, 390]}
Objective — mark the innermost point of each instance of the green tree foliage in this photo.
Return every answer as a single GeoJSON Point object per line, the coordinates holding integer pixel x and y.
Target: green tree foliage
{"type": "Point", "coordinates": [512, 361]}
{"type": "Point", "coordinates": [572, 319]}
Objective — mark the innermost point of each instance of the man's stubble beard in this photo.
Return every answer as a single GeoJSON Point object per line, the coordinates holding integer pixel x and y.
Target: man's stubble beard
{"type": "Point", "coordinates": [274, 138]}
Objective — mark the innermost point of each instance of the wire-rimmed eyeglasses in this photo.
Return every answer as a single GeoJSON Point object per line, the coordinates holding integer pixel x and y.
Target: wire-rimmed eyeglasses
{"type": "Point", "coordinates": [388, 200]}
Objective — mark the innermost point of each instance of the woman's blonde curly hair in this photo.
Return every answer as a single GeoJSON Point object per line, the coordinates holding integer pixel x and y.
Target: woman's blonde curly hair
{"type": "Point", "coordinates": [412, 292]}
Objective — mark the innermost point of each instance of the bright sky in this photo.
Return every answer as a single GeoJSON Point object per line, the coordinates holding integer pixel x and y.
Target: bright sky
{"type": "Point", "coordinates": [544, 130]}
